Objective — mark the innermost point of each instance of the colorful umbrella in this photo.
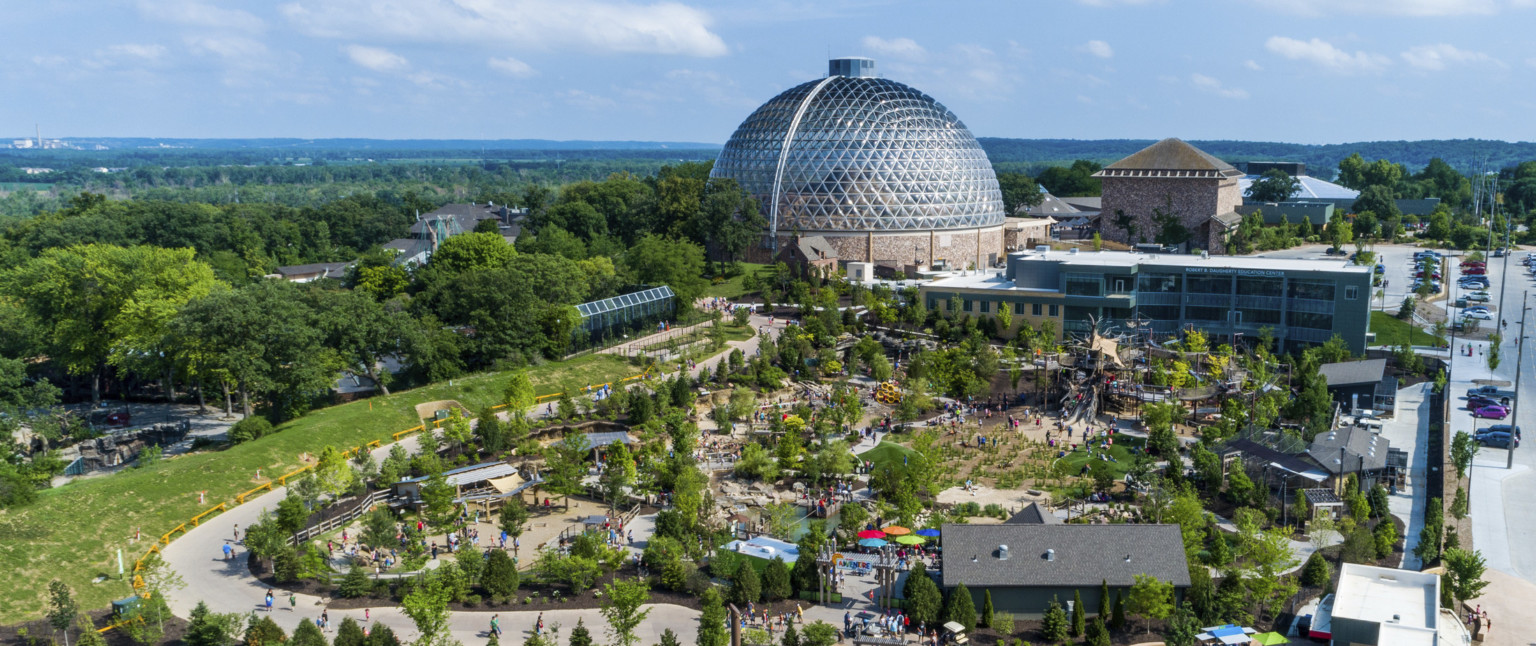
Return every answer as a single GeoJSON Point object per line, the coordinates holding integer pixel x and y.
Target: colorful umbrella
{"type": "Point", "coordinates": [897, 530]}
{"type": "Point", "coordinates": [910, 540]}
{"type": "Point", "coordinates": [871, 533]}
{"type": "Point", "coordinates": [873, 542]}
{"type": "Point", "coordinates": [930, 533]}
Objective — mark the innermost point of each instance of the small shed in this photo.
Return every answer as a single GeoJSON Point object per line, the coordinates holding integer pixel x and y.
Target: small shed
{"type": "Point", "coordinates": [1360, 385]}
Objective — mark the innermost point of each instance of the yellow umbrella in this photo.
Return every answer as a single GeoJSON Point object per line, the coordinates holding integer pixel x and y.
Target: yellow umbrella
{"type": "Point", "coordinates": [896, 530]}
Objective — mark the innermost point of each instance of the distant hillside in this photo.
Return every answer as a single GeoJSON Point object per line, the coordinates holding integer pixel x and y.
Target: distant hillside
{"type": "Point", "coordinates": [381, 144]}
{"type": "Point", "coordinates": [1466, 155]}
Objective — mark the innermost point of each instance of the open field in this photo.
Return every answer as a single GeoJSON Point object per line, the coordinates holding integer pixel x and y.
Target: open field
{"type": "Point", "coordinates": [1394, 332]}
{"type": "Point", "coordinates": [732, 288]}
{"type": "Point", "coordinates": [73, 532]}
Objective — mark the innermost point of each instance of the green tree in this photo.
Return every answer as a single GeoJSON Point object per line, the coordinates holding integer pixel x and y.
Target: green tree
{"type": "Point", "coordinates": [565, 464]}
{"type": "Point", "coordinates": [473, 251]}
{"type": "Point", "coordinates": [621, 606]}
{"type": "Point", "coordinates": [580, 636]}
{"type": "Point", "coordinates": [500, 578]}
{"type": "Point", "coordinates": [348, 633]}
{"type": "Point", "coordinates": [960, 608]}
{"type": "Point", "coordinates": [264, 632]}
{"type": "Point", "coordinates": [427, 607]}
{"type": "Point", "coordinates": [1274, 185]}
{"type": "Point", "coordinates": [679, 264]}
{"type": "Point", "coordinates": [1463, 450]}
{"type": "Point", "coordinates": [712, 620]}
{"type": "Point", "coordinates": [513, 517]}
{"type": "Point", "coordinates": [62, 608]}
{"type": "Point", "coordinates": [1464, 570]}
{"type": "Point", "coordinates": [306, 633]}
{"type": "Point", "coordinates": [746, 587]}
{"type": "Point", "coordinates": [818, 633]}
{"type": "Point", "coordinates": [437, 498]}
{"type": "Point", "coordinates": [924, 601]}
{"type": "Point", "coordinates": [776, 580]}
{"type": "Point", "coordinates": [1385, 536]}
{"type": "Point", "coordinates": [1459, 503]}
{"type": "Point", "coordinates": [518, 394]}
{"type": "Point", "coordinates": [1150, 599]}
{"type": "Point", "coordinates": [202, 629]}
{"type": "Point", "coordinates": [1053, 625]}
{"type": "Point", "coordinates": [355, 584]}
{"type": "Point", "coordinates": [1316, 572]}
{"type": "Point", "coordinates": [1078, 616]}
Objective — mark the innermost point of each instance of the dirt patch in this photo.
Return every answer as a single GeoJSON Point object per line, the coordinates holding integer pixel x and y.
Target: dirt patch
{"type": "Point", "coordinates": [428, 410]}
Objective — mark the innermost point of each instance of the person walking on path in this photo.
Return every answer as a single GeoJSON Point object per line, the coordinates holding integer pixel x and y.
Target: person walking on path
{"type": "Point", "coordinates": [228, 551]}
{"type": "Point", "coordinates": [269, 600]}
{"type": "Point", "coordinates": [293, 602]}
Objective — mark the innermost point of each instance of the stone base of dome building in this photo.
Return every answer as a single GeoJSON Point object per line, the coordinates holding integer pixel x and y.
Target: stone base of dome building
{"type": "Point", "coordinates": [955, 248]}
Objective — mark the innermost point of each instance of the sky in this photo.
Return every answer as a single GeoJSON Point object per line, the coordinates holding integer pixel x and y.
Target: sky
{"type": "Point", "coordinates": [1306, 71]}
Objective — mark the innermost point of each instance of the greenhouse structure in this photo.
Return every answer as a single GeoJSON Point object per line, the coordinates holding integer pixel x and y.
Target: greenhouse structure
{"type": "Point", "coordinates": [611, 318]}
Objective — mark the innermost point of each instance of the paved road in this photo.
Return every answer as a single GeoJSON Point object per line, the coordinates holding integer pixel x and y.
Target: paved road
{"type": "Point", "coordinates": [1503, 509]}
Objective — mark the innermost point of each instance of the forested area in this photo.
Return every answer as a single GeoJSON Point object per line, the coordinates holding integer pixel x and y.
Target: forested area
{"type": "Point", "coordinates": [165, 299]}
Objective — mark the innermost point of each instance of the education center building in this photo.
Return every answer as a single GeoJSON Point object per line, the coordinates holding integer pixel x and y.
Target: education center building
{"type": "Point", "coordinates": [1230, 298]}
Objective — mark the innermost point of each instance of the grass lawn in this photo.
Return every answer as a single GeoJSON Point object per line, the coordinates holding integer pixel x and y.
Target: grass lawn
{"type": "Point", "coordinates": [1121, 451]}
{"type": "Point", "coordinates": [1391, 331]}
{"type": "Point", "coordinates": [889, 453]}
{"type": "Point", "coordinates": [72, 533]}
{"type": "Point", "coordinates": [732, 288]}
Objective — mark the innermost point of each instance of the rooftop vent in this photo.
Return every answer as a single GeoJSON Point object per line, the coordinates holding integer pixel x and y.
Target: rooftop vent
{"type": "Point", "coordinates": [1002, 552]}
{"type": "Point", "coordinates": [1127, 558]}
{"type": "Point", "coordinates": [1050, 555]}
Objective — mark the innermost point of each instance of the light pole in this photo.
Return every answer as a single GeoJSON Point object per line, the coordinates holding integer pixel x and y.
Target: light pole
{"type": "Point", "coordinates": [1514, 421]}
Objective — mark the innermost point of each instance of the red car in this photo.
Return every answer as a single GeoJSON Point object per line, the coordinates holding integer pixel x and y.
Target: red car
{"type": "Point", "coordinates": [1474, 263]}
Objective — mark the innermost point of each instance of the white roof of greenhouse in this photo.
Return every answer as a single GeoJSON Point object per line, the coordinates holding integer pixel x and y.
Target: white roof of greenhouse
{"type": "Point", "coordinates": [626, 300]}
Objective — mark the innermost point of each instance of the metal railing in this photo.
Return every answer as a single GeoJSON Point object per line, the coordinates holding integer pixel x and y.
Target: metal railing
{"type": "Point", "coordinates": [329, 523]}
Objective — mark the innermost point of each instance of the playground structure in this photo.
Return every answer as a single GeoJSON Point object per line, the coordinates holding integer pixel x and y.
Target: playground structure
{"type": "Point", "coordinates": [888, 393]}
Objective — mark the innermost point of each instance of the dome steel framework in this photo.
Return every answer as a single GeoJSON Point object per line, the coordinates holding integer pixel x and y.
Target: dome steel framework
{"type": "Point", "coordinates": [861, 154]}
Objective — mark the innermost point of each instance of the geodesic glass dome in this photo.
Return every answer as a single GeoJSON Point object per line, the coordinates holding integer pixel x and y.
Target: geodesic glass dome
{"type": "Point", "coordinates": [858, 153]}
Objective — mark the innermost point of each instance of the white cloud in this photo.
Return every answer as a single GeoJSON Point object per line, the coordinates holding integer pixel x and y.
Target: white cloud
{"type": "Point", "coordinates": [1253, 65]}
{"type": "Point", "coordinates": [198, 14]}
{"type": "Point", "coordinates": [1436, 57]}
{"type": "Point", "coordinates": [1099, 48]}
{"type": "Point", "coordinates": [512, 67]}
{"type": "Point", "coordinates": [1321, 52]}
{"type": "Point", "coordinates": [377, 59]}
{"type": "Point", "coordinates": [133, 50]}
{"type": "Point", "coordinates": [588, 25]}
{"type": "Point", "coordinates": [1208, 84]}
{"type": "Point", "coordinates": [1414, 8]}
{"type": "Point", "coordinates": [231, 47]}
{"type": "Point", "coordinates": [896, 47]}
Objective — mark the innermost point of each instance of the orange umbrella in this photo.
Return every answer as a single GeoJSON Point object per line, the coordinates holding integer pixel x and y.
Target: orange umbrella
{"type": "Point", "coordinates": [896, 530]}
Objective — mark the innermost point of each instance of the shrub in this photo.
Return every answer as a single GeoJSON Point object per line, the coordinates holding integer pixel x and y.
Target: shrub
{"type": "Point", "coordinates": [251, 428]}
{"type": "Point", "coordinates": [1315, 573]}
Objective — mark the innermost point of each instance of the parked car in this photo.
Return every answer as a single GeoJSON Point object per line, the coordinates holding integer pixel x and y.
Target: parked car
{"type": "Point", "coordinates": [1434, 275]}
{"type": "Point", "coordinates": [1496, 440]}
{"type": "Point", "coordinates": [1381, 269]}
{"type": "Point", "coordinates": [1480, 315]}
{"type": "Point", "coordinates": [1489, 390]}
{"type": "Point", "coordinates": [1474, 272]}
{"type": "Point", "coordinates": [1498, 253]}
{"type": "Point", "coordinates": [1478, 401]}
{"type": "Point", "coordinates": [1478, 297]}
{"type": "Point", "coordinates": [1491, 412]}
{"type": "Point", "coordinates": [1501, 428]}
{"type": "Point", "coordinates": [1473, 284]}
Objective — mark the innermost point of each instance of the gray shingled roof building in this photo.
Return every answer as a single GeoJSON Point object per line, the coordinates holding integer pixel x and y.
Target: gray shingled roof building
{"type": "Point", "coordinates": [1026, 565]}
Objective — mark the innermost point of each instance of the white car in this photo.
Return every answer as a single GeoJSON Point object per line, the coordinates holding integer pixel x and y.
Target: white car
{"type": "Point", "coordinates": [1478, 297]}
{"type": "Point", "coordinates": [1477, 314]}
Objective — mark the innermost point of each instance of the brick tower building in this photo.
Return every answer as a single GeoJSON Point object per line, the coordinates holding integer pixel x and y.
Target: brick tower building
{"type": "Point", "coordinates": [1172, 193]}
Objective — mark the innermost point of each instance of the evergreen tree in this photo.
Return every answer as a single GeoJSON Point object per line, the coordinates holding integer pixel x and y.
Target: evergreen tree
{"type": "Point", "coordinates": [1103, 598]}
{"type": "Point", "coordinates": [805, 576]}
{"type": "Point", "coordinates": [1220, 551]}
{"type": "Point", "coordinates": [349, 634]}
{"type": "Point", "coordinates": [1096, 633]}
{"type": "Point", "coordinates": [986, 609]}
{"type": "Point", "coordinates": [1054, 624]}
{"type": "Point", "coordinates": [961, 609]}
{"type": "Point", "coordinates": [201, 630]}
{"type": "Point", "coordinates": [354, 584]}
{"type": "Point", "coordinates": [1117, 620]}
{"type": "Point", "coordinates": [307, 634]}
{"type": "Point", "coordinates": [1315, 573]}
{"type": "Point", "coordinates": [746, 587]}
{"type": "Point", "coordinates": [500, 578]}
{"type": "Point", "coordinates": [924, 601]}
{"type": "Point", "coordinates": [580, 636]}
{"type": "Point", "coordinates": [264, 632]}
{"type": "Point", "coordinates": [791, 638]}
{"type": "Point", "coordinates": [1078, 616]}
{"type": "Point", "coordinates": [668, 638]}
{"type": "Point", "coordinates": [382, 635]}
{"type": "Point", "coordinates": [712, 628]}
{"type": "Point", "coordinates": [776, 580]}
